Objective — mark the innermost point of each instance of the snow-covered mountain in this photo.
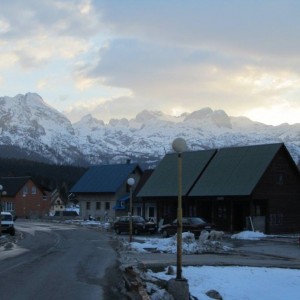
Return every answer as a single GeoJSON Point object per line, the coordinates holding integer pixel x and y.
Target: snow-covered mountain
{"type": "Point", "coordinates": [32, 129]}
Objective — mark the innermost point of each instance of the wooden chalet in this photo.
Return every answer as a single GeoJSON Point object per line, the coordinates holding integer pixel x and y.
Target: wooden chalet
{"type": "Point", "coordinates": [141, 208]}
{"type": "Point", "coordinates": [162, 186]}
{"type": "Point", "coordinates": [238, 188]}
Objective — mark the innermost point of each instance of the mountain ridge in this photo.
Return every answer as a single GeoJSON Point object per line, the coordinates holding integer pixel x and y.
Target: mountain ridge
{"type": "Point", "coordinates": [32, 126]}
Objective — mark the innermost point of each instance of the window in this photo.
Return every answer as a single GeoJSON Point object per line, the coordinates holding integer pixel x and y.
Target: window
{"type": "Point", "coordinates": [222, 212]}
{"type": "Point", "coordinates": [139, 211]}
{"type": "Point", "coordinates": [33, 190]}
{"type": "Point", "coordinates": [276, 219]}
{"type": "Point", "coordinates": [25, 190]}
{"type": "Point", "coordinates": [107, 205]}
{"type": "Point", "coordinates": [8, 206]}
{"type": "Point", "coordinates": [279, 179]}
{"type": "Point", "coordinates": [151, 212]}
{"type": "Point", "coordinates": [88, 205]}
{"type": "Point", "coordinates": [98, 205]}
{"type": "Point", "coordinates": [257, 210]}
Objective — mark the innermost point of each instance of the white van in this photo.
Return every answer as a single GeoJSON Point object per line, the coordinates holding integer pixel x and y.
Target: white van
{"type": "Point", "coordinates": [7, 223]}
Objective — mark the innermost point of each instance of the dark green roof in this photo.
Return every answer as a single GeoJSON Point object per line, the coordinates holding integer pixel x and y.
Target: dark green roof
{"type": "Point", "coordinates": [235, 171]}
{"type": "Point", "coordinates": [164, 180]}
{"type": "Point", "coordinates": [104, 178]}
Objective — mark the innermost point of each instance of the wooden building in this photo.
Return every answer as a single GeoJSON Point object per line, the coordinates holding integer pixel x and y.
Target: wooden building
{"type": "Point", "coordinates": [252, 187]}
{"type": "Point", "coordinates": [162, 186]}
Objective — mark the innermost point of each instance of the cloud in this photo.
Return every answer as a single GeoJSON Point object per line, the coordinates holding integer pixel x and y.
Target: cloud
{"type": "Point", "coordinates": [4, 26]}
{"type": "Point", "coordinates": [168, 76]}
{"type": "Point", "coordinates": [64, 18]}
{"type": "Point", "coordinates": [252, 28]}
{"type": "Point", "coordinates": [108, 55]}
{"type": "Point", "coordinates": [104, 109]}
{"type": "Point", "coordinates": [37, 34]}
{"type": "Point", "coordinates": [222, 55]}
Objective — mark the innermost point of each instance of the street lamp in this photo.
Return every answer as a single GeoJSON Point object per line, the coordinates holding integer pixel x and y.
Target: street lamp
{"type": "Point", "coordinates": [130, 182]}
{"type": "Point", "coordinates": [179, 146]}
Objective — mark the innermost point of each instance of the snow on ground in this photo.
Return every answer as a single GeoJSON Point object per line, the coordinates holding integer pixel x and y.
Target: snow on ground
{"type": "Point", "coordinates": [89, 223]}
{"type": "Point", "coordinates": [248, 283]}
{"type": "Point", "coordinates": [233, 283]}
{"type": "Point", "coordinates": [238, 283]}
{"type": "Point", "coordinates": [248, 235]}
{"type": "Point", "coordinates": [169, 245]}
{"type": "Point", "coordinates": [189, 244]}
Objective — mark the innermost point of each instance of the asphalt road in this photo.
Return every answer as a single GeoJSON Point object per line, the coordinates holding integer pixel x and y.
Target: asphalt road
{"type": "Point", "coordinates": [54, 261]}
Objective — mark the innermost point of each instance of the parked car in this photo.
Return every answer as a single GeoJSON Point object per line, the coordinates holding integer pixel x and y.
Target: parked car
{"type": "Point", "coordinates": [139, 225]}
{"type": "Point", "coordinates": [191, 224]}
{"type": "Point", "coordinates": [7, 223]}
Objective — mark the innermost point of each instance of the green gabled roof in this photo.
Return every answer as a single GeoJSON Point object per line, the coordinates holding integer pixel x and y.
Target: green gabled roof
{"type": "Point", "coordinates": [164, 180]}
{"type": "Point", "coordinates": [235, 171]}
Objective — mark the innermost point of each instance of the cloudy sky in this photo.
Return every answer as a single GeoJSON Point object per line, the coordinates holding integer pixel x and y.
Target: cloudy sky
{"type": "Point", "coordinates": [114, 59]}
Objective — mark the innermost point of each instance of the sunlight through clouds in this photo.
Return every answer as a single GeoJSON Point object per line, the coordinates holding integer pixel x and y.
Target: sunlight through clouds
{"type": "Point", "coordinates": [174, 57]}
{"type": "Point", "coordinates": [274, 115]}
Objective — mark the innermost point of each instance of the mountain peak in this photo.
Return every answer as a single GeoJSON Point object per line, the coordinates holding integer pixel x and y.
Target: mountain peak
{"type": "Point", "coordinates": [200, 114]}
{"type": "Point", "coordinates": [28, 123]}
{"type": "Point", "coordinates": [147, 115]}
{"type": "Point", "coordinates": [207, 115]}
{"type": "Point", "coordinates": [90, 121]}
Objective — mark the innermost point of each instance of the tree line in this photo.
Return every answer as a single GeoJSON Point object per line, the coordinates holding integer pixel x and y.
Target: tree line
{"type": "Point", "coordinates": [49, 176]}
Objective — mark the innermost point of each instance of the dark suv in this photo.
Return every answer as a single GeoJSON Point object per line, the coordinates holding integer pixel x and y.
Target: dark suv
{"type": "Point", "coordinates": [139, 225]}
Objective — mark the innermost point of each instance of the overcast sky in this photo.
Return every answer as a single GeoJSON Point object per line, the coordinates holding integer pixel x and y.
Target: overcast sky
{"type": "Point", "coordinates": [114, 59]}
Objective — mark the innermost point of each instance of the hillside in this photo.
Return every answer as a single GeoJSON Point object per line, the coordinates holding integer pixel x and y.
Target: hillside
{"type": "Point", "coordinates": [49, 176]}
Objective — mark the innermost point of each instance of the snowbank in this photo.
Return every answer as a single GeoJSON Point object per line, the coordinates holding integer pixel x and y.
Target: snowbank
{"type": "Point", "coordinates": [169, 245]}
{"type": "Point", "coordinates": [248, 235]}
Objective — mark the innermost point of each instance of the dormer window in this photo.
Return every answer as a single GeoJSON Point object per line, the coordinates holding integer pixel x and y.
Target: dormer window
{"type": "Point", "coordinates": [280, 179]}
{"type": "Point", "coordinates": [25, 190]}
{"type": "Point", "coordinates": [33, 190]}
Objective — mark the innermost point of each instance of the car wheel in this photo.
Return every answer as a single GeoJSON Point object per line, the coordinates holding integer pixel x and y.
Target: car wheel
{"type": "Point", "coordinates": [165, 233]}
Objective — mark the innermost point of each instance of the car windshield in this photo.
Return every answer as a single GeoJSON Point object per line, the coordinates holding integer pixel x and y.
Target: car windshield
{"type": "Point", "coordinates": [138, 219]}
{"type": "Point", "coordinates": [196, 221]}
{"type": "Point", "coordinates": [6, 217]}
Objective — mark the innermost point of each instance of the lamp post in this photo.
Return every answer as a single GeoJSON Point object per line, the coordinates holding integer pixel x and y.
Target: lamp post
{"type": "Point", "coordinates": [130, 182]}
{"type": "Point", "coordinates": [179, 146]}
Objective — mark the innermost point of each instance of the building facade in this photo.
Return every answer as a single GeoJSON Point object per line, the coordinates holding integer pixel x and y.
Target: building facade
{"type": "Point", "coordinates": [24, 198]}
{"type": "Point", "coordinates": [238, 188]}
